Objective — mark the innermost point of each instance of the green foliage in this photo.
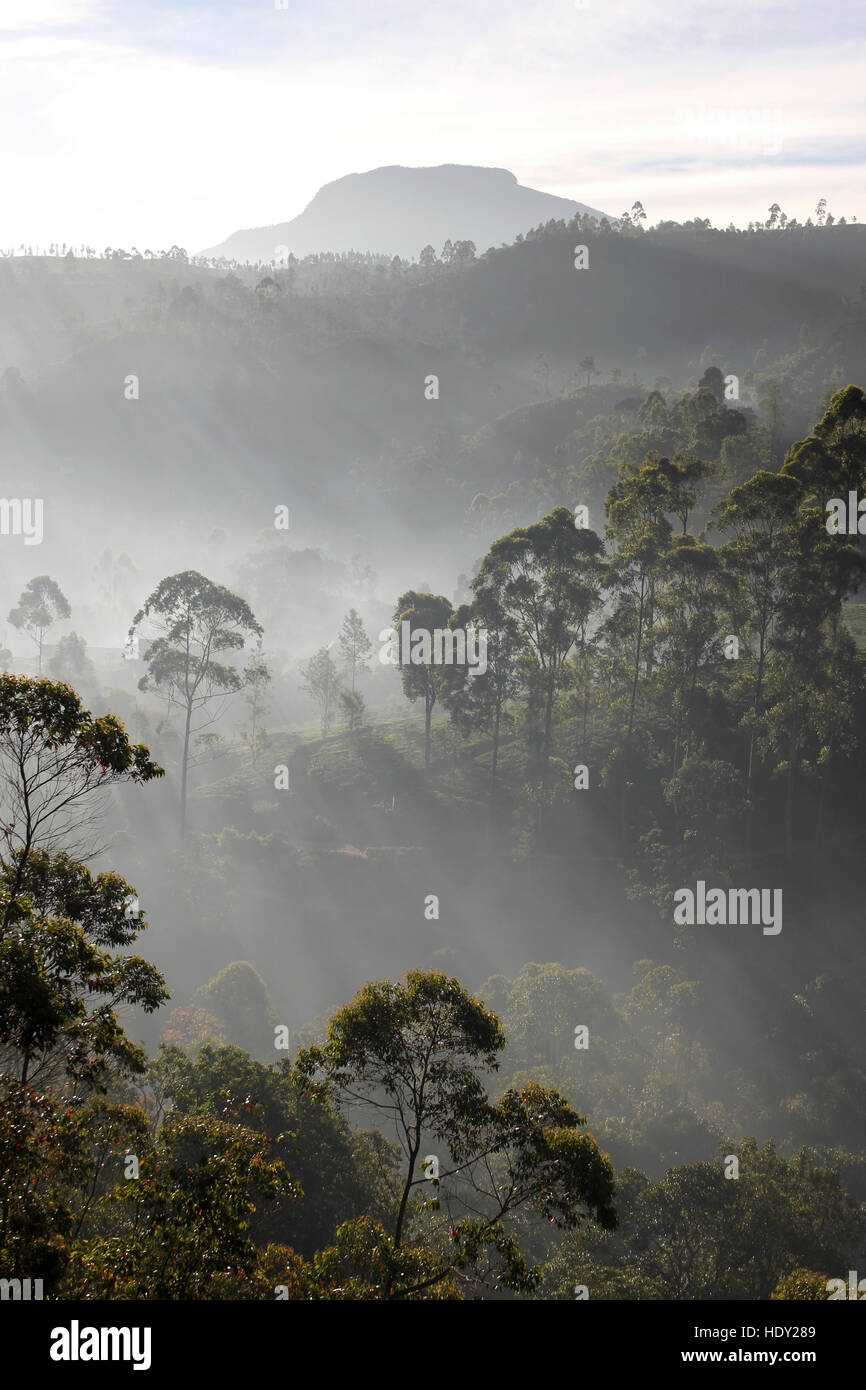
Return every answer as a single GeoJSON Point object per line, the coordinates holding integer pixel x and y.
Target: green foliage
{"type": "Point", "coordinates": [545, 582]}
{"type": "Point", "coordinates": [182, 1229]}
{"type": "Point", "coordinates": [342, 1173]}
{"type": "Point", "coordinates": [188, 622]}
{"type": "Point", "coordinates": [801, 1285]}
{"type": "Point", "coordinates": [352, 706]}
{"type": "Point", "coordinates": [542, 1007]}
{"type": "Point", "coordinates": [57, 1162]}
{"type": "Point", "coordinates": [699, 1235]}
{"type": "Point", "coordinates": [54, 755]}
{"type": "Point", "coordinates": [832, 460]}
{"type": "Point", "coordinates": [50, 971]}
{"type": "Point", "coordinates": [425, 613]}
{"type": "Point", "coordinates": [759, 1226]}
{"type": "Point", "coordinates": [239, 998]}
{"type": "Point", "coordinates": [479, 700]}
{"type": "Point", "coordinates": [61, 985]}
{"type": "Point", "coordinates": [416, 1053]}
{"type": "Point", "coordinates": [362, 1264]}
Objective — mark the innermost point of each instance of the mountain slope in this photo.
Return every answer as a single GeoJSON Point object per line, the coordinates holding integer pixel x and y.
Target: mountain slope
{"type": "Point", "coordinates": [314, 394]}
{"type": "Point", "coordinates": [400, 210]}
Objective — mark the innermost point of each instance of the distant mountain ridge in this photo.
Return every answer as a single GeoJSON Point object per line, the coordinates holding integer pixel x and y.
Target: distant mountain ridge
{"type": "Point", "coordinates": [398, 210]}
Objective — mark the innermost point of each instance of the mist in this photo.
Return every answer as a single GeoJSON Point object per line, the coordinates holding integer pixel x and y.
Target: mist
{"type": "Point", "coordinates": [334, 963]}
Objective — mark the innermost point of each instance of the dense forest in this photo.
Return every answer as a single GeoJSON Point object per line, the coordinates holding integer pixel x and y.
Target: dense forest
{"type": "Point", "coordinates": [533, 973]}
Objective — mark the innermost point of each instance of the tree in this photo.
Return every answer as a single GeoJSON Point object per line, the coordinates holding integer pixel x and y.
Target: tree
{"type": "Point", "coordinates": [352, 705]}
{"type": "Point", "coordinates": [355, 645]}
{"type": "Point", "coordinates": [362, 1264]}
{"type": "Point", "coordinates": [759, 515]}
{"type": "Point", "coordinates": [801, 1284]}
{"type": "Point", "coordinates": [425, 613]}
{"type": "Point", "coordinates": [71, 663]}
{"type": "Point", "coordinates": [194, 621]}
{"type": "Point", "coordinates": [705, 1236]}
{"type": "Point", "coordinates": [637, 508]}
{"type": "Point", "coordinates": [707, 422]}
{"type": "Point", "coordinates": [54, 1153]}
{"type": "Point", "coordinates": [539, 1009]}
{"type": "Point", "coordinates": [41, 604]}
{"type": "Point", "coordinates": [268, 290]}
{"type": "Point", "coordinates": [812, 656]}
{"type": "Point", "coordinates": [587, 365]}
{"type": "Point", "coordinates": [190, 1028]}
{"type": "Point", "coordinates": [709, 808]}
{"type": "Point", "coordinates": [547, 581]}
{"type": "Point", "coordinates": [183, 1230]}
{"type": "Point", "coordinates": [55, 757]}
{"type": "Point", "coordinates": [322, 681]}
{"type": "Point", "coordinates": [239, 998]}
{"type": "Point", "coordinates": [832, 461]}
{"type": "Point", "coordinates": [479, 701]}
{"type": "Point", "coordinates": [342, 1172]}
{"type": "Point", "coordinates": [415, 1052]}
{"type": "Point", "coordinates": [713, 380]}
{"type": "Point", "coordinates": [257, 678]}
{"type": "Point", "coordinates": [695, 587]}
{"type": "Point", "coordinates": [774, 419]}
{"type": "Point", "coordinates": [59, 983]}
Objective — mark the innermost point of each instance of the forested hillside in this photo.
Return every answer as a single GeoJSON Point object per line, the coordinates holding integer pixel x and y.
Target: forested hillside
{"type": "Point", "coordinates": [308, 382]}
{"type": "Point", "coordinates": [533, 969]}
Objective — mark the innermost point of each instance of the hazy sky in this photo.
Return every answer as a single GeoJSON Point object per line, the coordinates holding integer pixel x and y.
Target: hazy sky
{"type": "Point", "coordinates": [155, 123]}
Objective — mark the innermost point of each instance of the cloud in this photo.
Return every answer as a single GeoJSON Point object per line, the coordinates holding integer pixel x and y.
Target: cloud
{"type": "Point", "coordinates": [26, 16]}
{"type": "Point", "coordinates": [156, 124]}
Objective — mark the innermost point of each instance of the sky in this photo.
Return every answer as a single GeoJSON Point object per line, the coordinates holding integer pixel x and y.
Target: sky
{"type": "Point", "coordinates": [154, 124]}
